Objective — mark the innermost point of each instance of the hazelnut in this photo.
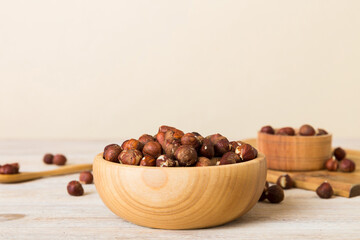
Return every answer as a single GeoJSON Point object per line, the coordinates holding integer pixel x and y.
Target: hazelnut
{"type": "Point", "coordinates": [204, 162]}
{"type": "Point", "coordinates": [235, 144]}
{"type": "Point", "coordinates": [170, 149]}
{"type": "Point", "coordinates": [111, 152]}
{"type": "Point", "coordinates": [289, 131]}
{"type": "Point", "coordinates": [130, 157]}
{"type": "Point", "coordinates": [324, 190]}
{"type": "Point", "coordinates": [12, 168]}
{"type": "Point", "coordinates": [191, 140]}
{"type": "Point", "coordinates": [164, 161]}
{"type": "Point", "coordinates": [264, 193]}
{"type": "Point", "coordinates": [332, 165]}
{"type": "Point", "coordinates": [275, 194]}
{"type": "Point", "coordinates": [178, 133]}
{"type": "Point", "coordinates": [339, 153]}
{"type": "Point", "coordinates": [75, 188]}
{"type": "Point", "coordinates": [306, 130]}
{"type": "Point", "coordinates": [48, 158]}
{"type": "Point", "coordinates": [207, 149]}
{"type": "Point", "coordinates": [229, 158]}
{"type": "Point", "coordinates": [132, 144]}
{"type": "Point", "coordinates": [246, 152]}
{"type": "Point", "coordinates": [153, 149]}
{"type": "Point", "coordinates": [285, 181]}
{"type": "Point", "coordinates": [267, 129]}
{"type": "Point", "coordinates": [148, 161]}
{"type": "Point", "coordinates": [86, 177]}
{"type": "Point", "coordinates": [160, 137]}
{"type": "Point", "coordinates": [59, 159]}
{"type": "Point", "coordinates": [199, 137]}
{"type": "Point", "coordinates": [321, 132]}
{"type": "Point", "coordinates": [172, 137]}
{"type": "Point", "coordinates": [145, 138]}
{"type": "Point", "coordinates": [221, 144]}
{"type": "Point", "coordinates": [346, 165]}
{"type": "Point", "coordinates": [186, 155]}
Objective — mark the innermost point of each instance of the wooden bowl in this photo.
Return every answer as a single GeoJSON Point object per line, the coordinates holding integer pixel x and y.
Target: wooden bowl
{"type": "Point", "coordinates": [295, 153]}
{"type": "Point", "coordinates": [180, 198]}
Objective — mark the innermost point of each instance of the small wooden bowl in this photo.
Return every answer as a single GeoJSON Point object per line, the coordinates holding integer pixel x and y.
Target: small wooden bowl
{"type": "Point", "coordinates": [295, 153]}
{"type": "Point", "coordinates": [180, 198]}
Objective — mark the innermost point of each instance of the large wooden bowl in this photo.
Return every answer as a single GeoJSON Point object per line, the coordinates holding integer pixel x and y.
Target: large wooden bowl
{"type": "Point", "coordinates": [295, 153]}
{"type": "Point", "coordinates": [180, 198]}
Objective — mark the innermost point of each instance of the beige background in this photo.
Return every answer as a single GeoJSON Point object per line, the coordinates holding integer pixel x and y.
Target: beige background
{"type": "Point", "coordinates": [116, 69]}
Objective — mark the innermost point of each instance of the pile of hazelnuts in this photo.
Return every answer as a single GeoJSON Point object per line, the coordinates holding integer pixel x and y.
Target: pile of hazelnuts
{"type": "Point", "coordinates": [170, 147]}
{"type": "Point", "coordinates": [338, 161]}
{"type": "Point", "coordinates": [9, 168]}
{"type": "Point", "coordinates": [304, 130]}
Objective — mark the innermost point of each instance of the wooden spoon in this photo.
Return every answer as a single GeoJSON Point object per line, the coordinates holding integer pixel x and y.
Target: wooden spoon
{"type": "Point", "coordinates": [26, 176]}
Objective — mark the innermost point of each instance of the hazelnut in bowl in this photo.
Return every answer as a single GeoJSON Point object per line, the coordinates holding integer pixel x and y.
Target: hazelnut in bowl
{"type": "Point", "coordinates": [289, 149]}
{"type": "Point", "coordinates": [180, 194]}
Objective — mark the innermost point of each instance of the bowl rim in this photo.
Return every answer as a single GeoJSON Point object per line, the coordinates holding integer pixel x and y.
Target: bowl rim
{"type": "Point", "coordinates": [260, 157]}
{"type": "Point", "coordinates": [296, 136]}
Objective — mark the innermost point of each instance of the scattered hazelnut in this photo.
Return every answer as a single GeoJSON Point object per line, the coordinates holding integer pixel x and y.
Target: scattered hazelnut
{"type": "Point", "coordinates": [130, 157]}
{"type": "Point", "coordinates": [111, 152]}
{"type": "Point", "coordinates": [12, 168]}
{"type": "Point", "coordinates": [153, 149]}
{"type": "Point", "coordinates": [75, 188]}
{"type": "Point", "coordinates": [267, 129]}
{"type": "Point", "coordinates": [145, 138]}
{"type": "Point", "coordinates": [346, 165]}
{"type": "Point", "coordinates": [204, 162]}
{"type": "Point", "coordinates": [265, 192]}
{"type": "Point", "coordinates": [132, 144]}
{"type": "Point", "coordinates": [191, 140]}
{"type": "Point", "coordinates": [321, 132]}
{"type": "Point", "coordinates": [207, 149]}
{"type": "Point", "coordinates": [285, 181]}
{"type": "Point", "coordinates": [59, 159]}
{"type": "Point", "coordinates": [186, 155]}
{"type": "Point", "coordinates": [275, 194]}
{"type": "Point", "coordinates": [164, 161]}
{"type": "Point", "coordinates": [86, 177]}
{"type": "Point", "coordinates": [339, 153]}
{"type": "Point", "coordinates": [289, 131]}
{"type": "Point", "coordinates": [246, 152]}
{"type": "Point", "coordinates": [148, 161]}
{"type": "Point", "coordinates": [48, 158]}
{"type": "Point", "coordinates": [229, 158]}
{"type": "Point", "coordinates": [324, 190]}
{"type": "Point", "coordinates": [306, 130]}
{"type": "Point", "coordinates": [332, 165]}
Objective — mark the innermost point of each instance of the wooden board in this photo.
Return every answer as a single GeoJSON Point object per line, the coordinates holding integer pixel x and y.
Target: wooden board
{"type": "Point", "coordinates": [344, 184]}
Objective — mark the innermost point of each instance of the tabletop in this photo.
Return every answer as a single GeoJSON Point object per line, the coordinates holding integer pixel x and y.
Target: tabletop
{"type": "Point", "coordinates": [42, 208]}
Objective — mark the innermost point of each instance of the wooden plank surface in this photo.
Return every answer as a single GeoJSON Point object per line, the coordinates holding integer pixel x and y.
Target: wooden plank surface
{"type": "Point", "coordinates": [42, 209]}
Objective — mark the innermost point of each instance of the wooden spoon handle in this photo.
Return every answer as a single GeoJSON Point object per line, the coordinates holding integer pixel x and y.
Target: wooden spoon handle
{"type": "Point", "coordinates": [25, 176]}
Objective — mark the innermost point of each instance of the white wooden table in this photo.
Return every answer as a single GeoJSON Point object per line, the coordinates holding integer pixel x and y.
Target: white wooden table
{"type": "Point", "coordinates": [42, 209]}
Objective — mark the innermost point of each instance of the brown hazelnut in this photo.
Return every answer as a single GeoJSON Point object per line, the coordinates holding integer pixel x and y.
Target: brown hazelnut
{"type": "Point", "coordinates": [160, 137]}
{"type": "Point", "coordinates": [221, 144]}
{"type": "Point", "coordinates": [332, 165]}
{"type": "Point", "coordinates": [285, 181]}
{"type": "Point", "coordinates": [204, 162]}
{"type": "Point", "coordinates": [164, 161]}
{"type": "Point", "coordinates": [48, 158]}
{"type": "Point", "coordinates": [265, 192]}
{"type": "Point", "coordinates": [199, 137]}
{"type": "Point", "coordinates": [178, 133]}
{"type": "Point", "coordinates": [186, 155]}
{"type": "Point", "coordinates": [229, 158]}
{"type": "Point", "coordinates": [235, 144]}
{"type": "Point", "coordinates": [289, 131]}
{"type": "Point", "coordinates": [339, 153]}
{"type": "Point", "coordinates": [172, 137]}
{"type": "Point", "coordinates": [324, 190]}
{"type": "Point", "coordinates": [86, 177]}
{"type": "Point", "coordinates": [191, 140]}
{"type": "Point", "coordinates": [246, 152]}
{"type": "Point", "coordinates": [306, 130]}
{"type": "Point", "coordinates": [153, 149]}
{"type": "Point", "coordinates": [12, 168]}
{"type": "Point", "coordinates": [111, 152]}
{"type": "Point", "coordinates": [207, 149]}
{"type": "Point", "coordinates": [267, 129]}
{"type": "Point", "coordinates": [130, 157]}
{"type": "Point", "coordinates": [132, 144]}
{"type": "Point", "coordinates": [275, 194]}
{"type": "Point", "coordinates": [145, 138]}
{"type": "Point", "coordinates": [321, 132]}
{"type": "Point", "coordinates": [346, 165]}
{"type": "Point", "coordinates": [59, 159]}
{"type": "Point", "coordinates": [148, 161]}
{"type": "Point", "coordinates": [75, 188]}
{"type": "Point", "coordinates": [170, 149]}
